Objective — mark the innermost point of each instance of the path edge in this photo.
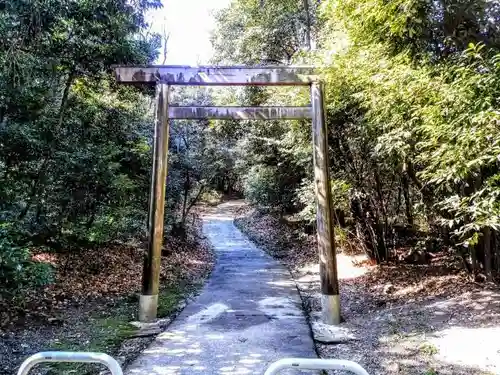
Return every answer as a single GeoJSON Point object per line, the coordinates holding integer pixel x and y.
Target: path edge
{"type": "Point", "coordinates": [126, 357]}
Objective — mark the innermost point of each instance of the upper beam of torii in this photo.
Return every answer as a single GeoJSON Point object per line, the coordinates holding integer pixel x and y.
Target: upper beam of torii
{"type": "Point", "coordinates": [217, 75]}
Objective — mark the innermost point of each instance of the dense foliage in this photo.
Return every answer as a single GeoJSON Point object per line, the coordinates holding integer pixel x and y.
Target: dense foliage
{"type": "Point", "coordinates": [412, 110]}
{"type": "Point", "coordinates": [75, 147]}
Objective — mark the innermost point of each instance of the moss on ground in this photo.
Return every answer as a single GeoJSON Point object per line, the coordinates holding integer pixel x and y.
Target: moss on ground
{"type": "Point", "coordinates": [106, 331]}
{"type": "Point", "coordinates": [169, 299]}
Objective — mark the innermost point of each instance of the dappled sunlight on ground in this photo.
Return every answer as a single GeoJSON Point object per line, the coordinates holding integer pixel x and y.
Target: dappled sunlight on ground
{"type": "Point", "coordinates": [454, 334]}
{"type": "Point", "coordinates": [93, 297]}
{"type": "Point", "coordinates": [224, 212]}
{"type": "Point", "coordinates": [282, 283]}
{"type": "Point", "coordinates": [407, 319]}
{"type": "Point", "coordinates": [347, 266]}
{"type": "Point", "coordinates": [223, 217]}
{"type": "Point", "coordinates": [475, 347]}
{"type": "Point", "coordinates": [195, 349]}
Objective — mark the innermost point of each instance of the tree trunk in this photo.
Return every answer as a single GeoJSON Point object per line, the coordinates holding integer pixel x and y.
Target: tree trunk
{"type": "Point", "coordinates": [473, 258]}
{"type": "Point", "coordinates": [381, 226]}
{"type": "Point", "coordinates": [406, 193]}
{"type": "Point", "coordinates": [496, 255]}
{"type": "Point", "coordinates": [488, 259]}
{"type": "Point", "coordinates": [398, 199]}
{"type": "Point", "coordinates": [308, 24]}
{"type": "Point", "coordinates": [365, 231]}
{"type": "Point", "coordinates": [195, 199]}
{"type": "Point", "coordinates": [187, 186]}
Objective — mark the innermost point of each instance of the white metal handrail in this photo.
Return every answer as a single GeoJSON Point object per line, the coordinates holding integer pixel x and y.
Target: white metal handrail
{"type": "Point", "coordinates": [315, 364]}
{"type": "Point", "coordinates": [114, 367]}
{"type": "Point", "coordinates": [82, 357]}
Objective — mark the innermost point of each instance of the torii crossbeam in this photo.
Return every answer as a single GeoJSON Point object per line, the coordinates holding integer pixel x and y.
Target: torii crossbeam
{"type": "Point", "coordinates": [165, 76]}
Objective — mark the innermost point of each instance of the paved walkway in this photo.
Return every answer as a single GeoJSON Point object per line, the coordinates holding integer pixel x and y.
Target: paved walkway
{"type": "Point", "coordinates": [247, 316]}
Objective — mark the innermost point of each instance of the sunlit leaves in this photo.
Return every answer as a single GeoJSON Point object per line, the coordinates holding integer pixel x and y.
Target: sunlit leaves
{"type": "Point", "coordinates": [412, 99]}
{"type": "Point", "coordinates": [75, 148]}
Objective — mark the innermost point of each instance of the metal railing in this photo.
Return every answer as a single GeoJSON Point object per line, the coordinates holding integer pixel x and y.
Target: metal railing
{"type": "Point", "coordinates": [115, 369]}
{"type": "Point", "coordinates": [81, 357]}
{"type": "Point", "coordinates": [315, 364]}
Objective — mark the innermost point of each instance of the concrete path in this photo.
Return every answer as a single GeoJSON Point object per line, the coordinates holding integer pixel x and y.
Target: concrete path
{"type": "Point", "coordinates": [247, 316]}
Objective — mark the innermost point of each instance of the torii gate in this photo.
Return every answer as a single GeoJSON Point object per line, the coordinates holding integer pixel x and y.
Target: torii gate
{"type": "Point", "coordinates": [165, 76]}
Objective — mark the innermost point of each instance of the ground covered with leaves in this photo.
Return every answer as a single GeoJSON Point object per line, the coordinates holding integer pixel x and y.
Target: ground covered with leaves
{"type": "Point", "coordinates": [401, 318]}
{"type": "Point", "coordinates": [93, 300]}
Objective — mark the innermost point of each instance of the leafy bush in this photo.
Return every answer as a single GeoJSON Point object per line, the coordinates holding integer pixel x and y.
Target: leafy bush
{"type": "Point", "coordinates": [211, 196]}
{"type": "Point", "coordinates": [261, 185]}
{"type": "Point", "coordinates": [412, 110]}
{"type": "Point", "coordinates": [17, 270]}
{"type": "Point", "coordinates": [306, 198]}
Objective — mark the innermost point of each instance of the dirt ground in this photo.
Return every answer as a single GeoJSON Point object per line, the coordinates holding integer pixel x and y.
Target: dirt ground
{"type": "Point", "coordinates": [93, 299]}
{"type": "Point", "coordinates": [404, 319]}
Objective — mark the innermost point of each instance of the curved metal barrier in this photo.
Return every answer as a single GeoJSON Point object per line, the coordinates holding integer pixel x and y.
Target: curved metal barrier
{"type": "Point", "coordinates": [114, 367]}
{"type": "Point", "coordinates": [82, 357]}
{"type": "Point", "coordinates": [315, 364]}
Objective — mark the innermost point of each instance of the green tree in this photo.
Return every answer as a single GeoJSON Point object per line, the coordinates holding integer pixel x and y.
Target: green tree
{"type": "Point", "coordinates": [74, 155]}
{"type": "Point", "coordinates": [412, 112]}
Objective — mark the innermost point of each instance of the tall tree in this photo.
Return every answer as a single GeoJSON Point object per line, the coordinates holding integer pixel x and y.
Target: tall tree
{"type": "Point", "coordinates": [412, 113]}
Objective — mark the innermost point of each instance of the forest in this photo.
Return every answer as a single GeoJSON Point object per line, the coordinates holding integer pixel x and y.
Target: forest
{"type": "Point", "coordinates": [75, 173]}
{"type": "Point", "coordinates": [413, 117]}
{"type": "Point", "coordinates": [76, 147]}
{"type": "Point", "coordinates": [413, 114]}
{"type": "Point", "coordinates": [412, 92]}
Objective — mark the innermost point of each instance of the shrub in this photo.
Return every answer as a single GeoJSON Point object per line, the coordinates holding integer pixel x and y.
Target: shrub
{"type": "Point", "coordinates": [17, 270]}
{"type": "Point", "coordinates": [261, 185]}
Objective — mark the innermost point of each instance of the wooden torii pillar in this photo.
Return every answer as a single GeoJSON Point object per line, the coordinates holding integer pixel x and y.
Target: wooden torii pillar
{"type": "Point", "coordinates": [164, 77]}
